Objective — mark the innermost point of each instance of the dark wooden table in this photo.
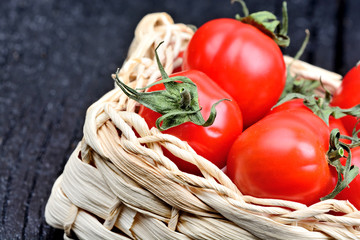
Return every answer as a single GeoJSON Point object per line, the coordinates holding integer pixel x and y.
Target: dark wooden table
{"type": "Point", "coordinates": [56, 58]}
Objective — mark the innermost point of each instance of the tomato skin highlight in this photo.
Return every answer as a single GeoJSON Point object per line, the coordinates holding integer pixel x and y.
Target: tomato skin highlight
{"type": "Point", "coordinates": [283, 157]}
{"type": "Point", "coordinates": [298, 103]}
{"type": "Point", "coordinates": [291, 104]}
{"type": "Point", "coordinates": [348, 95]}
{"type": "Point", "coordinates": [243, 61]}
{"type": "Point", "coordinates": [213, 142]}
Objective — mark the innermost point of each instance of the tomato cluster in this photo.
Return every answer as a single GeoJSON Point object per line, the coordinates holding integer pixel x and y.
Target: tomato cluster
{"type": "Point", "coordinates": [284, 151]}
{"type": "Point", "coordinates": [211, 142]}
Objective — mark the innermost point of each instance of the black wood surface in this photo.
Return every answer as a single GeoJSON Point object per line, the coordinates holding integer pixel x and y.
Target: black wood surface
{"type": "Point", "coordinates": [56, 58]}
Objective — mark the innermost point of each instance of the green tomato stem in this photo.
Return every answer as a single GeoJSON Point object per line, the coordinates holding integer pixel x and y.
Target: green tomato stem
{"type": "Point", "coordinates": [267, 23]}
{"type": "Point", "coordinates": [345, 173]}
{"type": "Point", "coordinates": [177, 104]}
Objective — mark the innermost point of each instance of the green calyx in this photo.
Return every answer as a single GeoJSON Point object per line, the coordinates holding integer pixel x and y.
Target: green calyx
{"type": "Point", "coordinates": [295, 84]}
{"type": "Point", "coordinates": [321, 106]}
{"type": "Point", "coordinates": [304, 89]}
{"type": "Point", "coordinates": [337, 149]}
{"type": "Point", "coordinates": [345, 173]}
{"type": "Point", "coordinates": [267, 23]}
{"type": "Point", "coordinates": [177, 104]}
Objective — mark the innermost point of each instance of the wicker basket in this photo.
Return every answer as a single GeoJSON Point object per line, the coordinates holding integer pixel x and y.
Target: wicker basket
{"type": "Point", "coordinates": [117, 184]}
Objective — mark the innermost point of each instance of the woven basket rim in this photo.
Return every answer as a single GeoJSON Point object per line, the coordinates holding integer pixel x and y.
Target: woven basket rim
{"type": "Point", "coordinates": [117, 184]}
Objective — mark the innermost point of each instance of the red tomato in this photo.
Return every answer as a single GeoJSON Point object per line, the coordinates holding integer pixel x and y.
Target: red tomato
{"type": "Point", "coordinates": [291, 104]}
{"type": "Point", "coordinates": [245, 62]}
{"type": "Point", "coordinates": [348, 95]}
{"type": "Point", "coordinates": [283, 156]}
{"type": "Point", "coordinates": [337, 123]}
{"type": "Point", "coordinates": [211, 142]}
{"type": "Point", "coordinates": [299, 104]}
{"type": "Point", "coordinates": [352, 192]}
{"type": "Point", "coordinates": [350, 122]}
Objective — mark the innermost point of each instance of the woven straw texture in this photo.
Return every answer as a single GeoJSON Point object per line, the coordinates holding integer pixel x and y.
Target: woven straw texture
{"type": "Point", "coordinates": [117, 184]}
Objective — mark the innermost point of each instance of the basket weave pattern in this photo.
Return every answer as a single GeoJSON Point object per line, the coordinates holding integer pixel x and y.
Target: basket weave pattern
{"type": "Point", "coordinates": [117, 184]}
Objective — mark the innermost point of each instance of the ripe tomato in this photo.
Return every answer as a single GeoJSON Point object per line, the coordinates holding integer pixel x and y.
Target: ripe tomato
{"type": "Point", "coordinates": [351, 193]}
{"type": "Point", "coordinates": [299, 104]}
{"type": "Point", "coordinates": [348, 95]}
{"type": "Point", "coordinates": [291, 104]}
{"type": "Point", "coordinates": [245, 62]}
{"type": "Point", "coordinates": [283, 156]}
{"type": "Point", "coordinates": [337, 123]}
{"type": "Point", "coordinates": [211, 142]}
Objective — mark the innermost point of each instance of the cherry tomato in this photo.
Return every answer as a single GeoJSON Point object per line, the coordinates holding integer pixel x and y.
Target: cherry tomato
{"type": "Point", "coordinates": [245, 62]}
{"type": "Point", "coordinates": [299, 104]}
{"type": "Point", "coordinates": [213, 142]}
{"type": "Point", "coordinates": [283, 156]}
{"type": "Point", "coordinates": [337, 123]}
{"type": "Point", "coordinates": [291, 104]}
{"type": "Point", "coordinates": [348, 95]}
{"type": "Point", "coordinates": [351, 193]}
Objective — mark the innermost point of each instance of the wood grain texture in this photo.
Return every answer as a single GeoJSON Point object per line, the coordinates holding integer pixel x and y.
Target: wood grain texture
{"type": "Point", "coordinates": [351, 35]}
{"type": "Point", "coordinates": [56, 58]}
